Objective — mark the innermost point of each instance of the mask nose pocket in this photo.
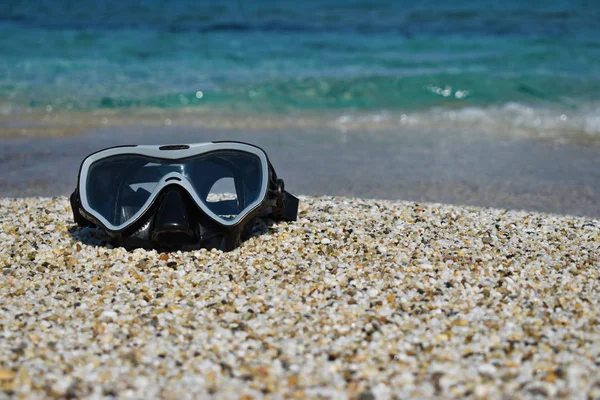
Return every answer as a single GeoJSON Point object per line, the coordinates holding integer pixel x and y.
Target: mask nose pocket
{"type": "Point", "coordinates": [172, 220]}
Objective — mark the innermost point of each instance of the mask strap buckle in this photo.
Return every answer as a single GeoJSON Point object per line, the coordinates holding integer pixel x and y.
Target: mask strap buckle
{"type": "Point", "coordinates": [286, 207]}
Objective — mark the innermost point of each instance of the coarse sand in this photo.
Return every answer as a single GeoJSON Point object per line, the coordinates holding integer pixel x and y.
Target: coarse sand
{"type": "Point", "coordinates": [357, 299]}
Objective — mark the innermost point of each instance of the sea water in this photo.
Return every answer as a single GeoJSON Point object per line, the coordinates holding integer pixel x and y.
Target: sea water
{"type": "Point", "coordinates": [497, 65]}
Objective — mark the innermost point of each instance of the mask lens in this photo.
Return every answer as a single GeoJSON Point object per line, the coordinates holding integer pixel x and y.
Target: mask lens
{"type": "Point", "coordinates": [119, 186]}
{"type": "Point", "coordinates": [226, 181]}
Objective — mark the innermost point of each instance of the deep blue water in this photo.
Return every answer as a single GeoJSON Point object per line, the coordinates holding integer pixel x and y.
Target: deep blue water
{"type": "Point", "coordinates": [534, 63]}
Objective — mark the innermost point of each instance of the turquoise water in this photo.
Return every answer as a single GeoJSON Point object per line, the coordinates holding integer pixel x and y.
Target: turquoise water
{"type": "Point", "coordinates": [483, 61]}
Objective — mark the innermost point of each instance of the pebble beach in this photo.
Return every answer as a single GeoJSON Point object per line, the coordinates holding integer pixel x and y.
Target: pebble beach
{"type": "Point", "coordinates": [362, 299]}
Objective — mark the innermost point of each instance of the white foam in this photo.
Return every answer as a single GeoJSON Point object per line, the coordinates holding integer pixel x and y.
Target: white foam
{"type": "Point", "coordinates": [511, 118]}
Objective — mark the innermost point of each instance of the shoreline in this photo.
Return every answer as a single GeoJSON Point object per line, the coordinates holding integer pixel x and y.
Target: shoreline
{"type": "Point", "coordinates": [509, 121]}
{"type": "Point", "coordinates": [358, 297]}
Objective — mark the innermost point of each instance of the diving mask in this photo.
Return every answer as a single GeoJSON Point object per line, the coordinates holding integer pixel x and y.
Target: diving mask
{"type": "Point", "coordinates": [180, 197]}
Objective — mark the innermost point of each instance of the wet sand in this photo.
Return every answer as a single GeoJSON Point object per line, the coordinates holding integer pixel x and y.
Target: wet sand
{"type": "Point", "coordinates": [470, 168]}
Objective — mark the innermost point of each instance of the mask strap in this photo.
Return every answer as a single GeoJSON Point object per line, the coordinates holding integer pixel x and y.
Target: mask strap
{"type": "Point", "coordinates": [290, 208]}
{"type": "Point", "coordinates": [75, 206]}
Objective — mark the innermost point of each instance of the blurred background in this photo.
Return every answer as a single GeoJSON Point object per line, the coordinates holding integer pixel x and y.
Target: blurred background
{"type": "Point", "coordinates": [468, 102]}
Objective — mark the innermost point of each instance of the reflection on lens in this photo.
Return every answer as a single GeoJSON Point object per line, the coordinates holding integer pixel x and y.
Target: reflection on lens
{"type": "Point", "coordinates": [234, 184]}
{"type": "Point", "coordinates": [223, 189]}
